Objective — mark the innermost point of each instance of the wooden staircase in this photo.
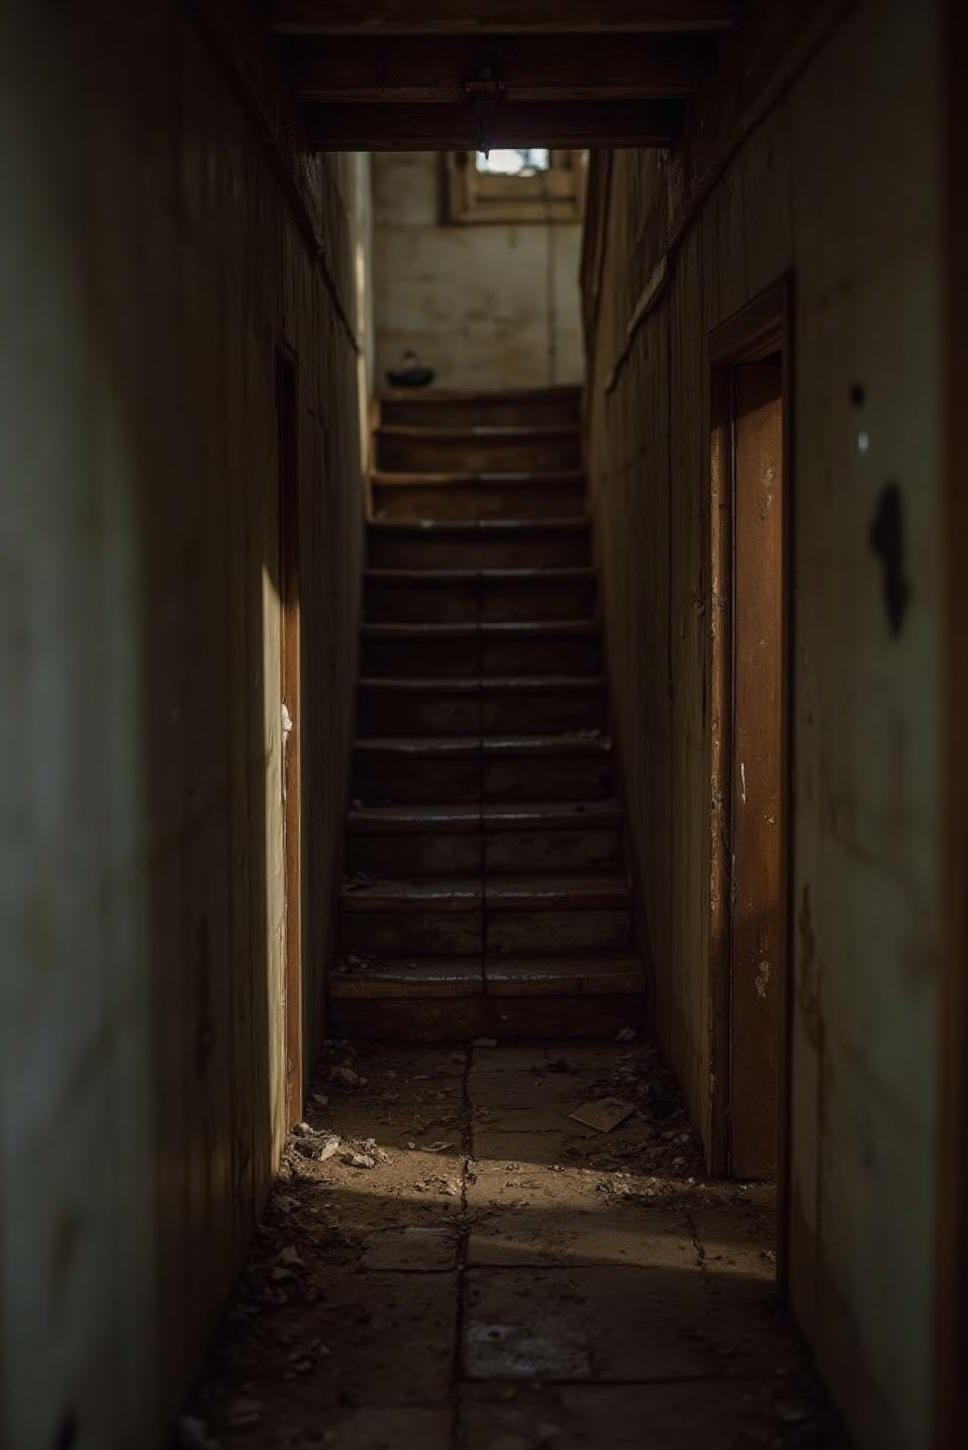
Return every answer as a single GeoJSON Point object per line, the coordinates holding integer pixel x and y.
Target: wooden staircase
{"type": "Point", "coordinates": [485, 889]}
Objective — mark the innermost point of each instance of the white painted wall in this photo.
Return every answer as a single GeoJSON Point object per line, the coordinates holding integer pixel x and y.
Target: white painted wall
{"type": "Point", "coordinates": [485, 306]}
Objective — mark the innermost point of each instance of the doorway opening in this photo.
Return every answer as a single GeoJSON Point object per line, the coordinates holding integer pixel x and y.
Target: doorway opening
{"type": "Point", "coordinates": [287, 455]}
{"type": "Point", "coordinates": [749, 359]}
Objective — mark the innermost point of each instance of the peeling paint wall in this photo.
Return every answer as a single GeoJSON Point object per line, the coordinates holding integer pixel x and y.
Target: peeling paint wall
{"type": "Point", "coordinates": [485, 306]}
{"type": "Point", "coordinates": [840, 182]}
{"type": "Point", "coordinates": [157, 246]}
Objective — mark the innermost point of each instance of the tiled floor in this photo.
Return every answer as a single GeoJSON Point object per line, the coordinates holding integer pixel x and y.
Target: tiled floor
{"type": "Point", "coordinates": [492, 1275]}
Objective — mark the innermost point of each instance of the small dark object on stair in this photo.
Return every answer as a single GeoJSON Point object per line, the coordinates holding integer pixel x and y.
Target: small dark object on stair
{"type": "Point", "coordinates": [412, 375]}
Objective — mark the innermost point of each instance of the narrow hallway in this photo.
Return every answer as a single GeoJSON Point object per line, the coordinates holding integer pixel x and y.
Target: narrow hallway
{"type": "Point", "coordinates": [485, 808]}
{"type": "Point", "coordinates": [450, 1259]}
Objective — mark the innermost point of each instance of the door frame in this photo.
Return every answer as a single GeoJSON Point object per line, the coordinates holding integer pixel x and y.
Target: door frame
{"type": "Point", "coordinates": [763, 326]}
{"type": "Point", "coordinates": [290, 700]}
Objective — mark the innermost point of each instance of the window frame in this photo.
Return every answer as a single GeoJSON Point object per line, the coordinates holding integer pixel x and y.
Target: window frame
{"type": "Point", "coordinates": [472, 197]}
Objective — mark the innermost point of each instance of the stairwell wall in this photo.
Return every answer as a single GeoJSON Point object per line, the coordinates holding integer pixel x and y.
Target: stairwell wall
{"type": "Point", "coordinates": [164, 232]}
{"type": "Point", "coordinates": [486, 306]}
{"type": "Point", "coordinates": [835, 177]}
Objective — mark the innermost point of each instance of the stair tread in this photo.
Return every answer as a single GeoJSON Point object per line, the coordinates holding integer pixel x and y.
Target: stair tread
{"type": "Point", "coordinates": [489, 815]}
{"type": "Point", "coordinates": [543, 392]}
{"type": "Point", "coordinates": [569, 524]}
{"type": "Point", "coordinates": [410, 746]}
{"type": "Point", "coordinates": [577, 742]}
{"type": "Point", "coordinates": [478, 432]}
{"type": "Point", "coordinates": [407, 478]}
{"type": "Point", "coordinates": [475, 684]}
{"type": "Point", "coordinates": [554, 573]}
{"type": "Point", "coordinates": [547, 892]}
{"type": "Point", "coordinates": [431, 893]}
{"type": "Point", "coordinates": [510, 816]}
{"type": "Point", "coordinates": [409, 977]}
{"type": "Point", "coordinates": [581, 972]}
{"type": "Point", "coordinates": [501, 629]}
{"type": "Point", "coordinates": [565, 742]}
{"type": "Point", "coordinates": [415, 818]}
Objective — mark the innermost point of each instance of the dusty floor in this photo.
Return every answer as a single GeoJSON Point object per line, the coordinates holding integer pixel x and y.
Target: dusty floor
{"type": "Point", "coordinates": [471, 1269]}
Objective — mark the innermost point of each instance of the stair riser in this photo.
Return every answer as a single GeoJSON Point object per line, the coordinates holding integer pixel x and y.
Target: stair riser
{"type": "Point", "coordinates": [551, 778]}
{"type": "Point", "coordinates": [423, 603]}
{"type": "Point", "coordinates": [527, 413]}
{"type": "Point", "coordinates": [522, 601]}
{"type": "Point", "coordinates": [412, 782]}
{"type": "Point", "coordinates": [542, 932]}
{"type": "Point", "coordinates": [450, 853]}
{"type": "Point", "coordinates": [552, 850]}
{"type": "Point", "coordinates": [478, 501]}
{"type": "Point", "coordinates": [469, 455]}
{"type": "Point", "coordinates": [463, 1019]}
{"type": "Point", "coordinates": [418, 933]}
{"type": "Point", "coordinates": [431, 853]}
{"type": "Point", "coordinates": [463, 657]}
{"type": "Point", "coordinates": [440, 714]}
{"type": "Point", "coordinates": [544, 550]}
{"type": "Point", "coordinates": [539, 713]}
{"type": "Point", "coordinates": [562, 655]}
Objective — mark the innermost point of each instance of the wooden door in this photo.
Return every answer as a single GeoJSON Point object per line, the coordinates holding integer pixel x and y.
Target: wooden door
{"type": "Point", "coordinates": [287, 420]}
{"type": "Point", "coordinates": [757, 908]}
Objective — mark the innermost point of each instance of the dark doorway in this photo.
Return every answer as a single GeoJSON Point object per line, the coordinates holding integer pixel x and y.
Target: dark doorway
{"type": "Point", "coordinates": [749, 916]}
{"type": "Point", "coordinates": [287, 428]}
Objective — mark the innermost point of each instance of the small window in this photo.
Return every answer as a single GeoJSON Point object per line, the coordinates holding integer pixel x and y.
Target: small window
{"type": "Point", "coordinates": [512, 163]}
{"type": "Point", "coordinates": [527, 185]}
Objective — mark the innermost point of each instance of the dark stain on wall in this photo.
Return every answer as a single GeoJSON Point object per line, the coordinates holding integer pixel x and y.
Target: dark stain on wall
{"type": "Point", "coordinates": [888, 542]}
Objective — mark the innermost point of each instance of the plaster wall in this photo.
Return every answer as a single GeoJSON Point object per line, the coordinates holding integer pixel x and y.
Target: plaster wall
{"type": "Point", "coordinates": [162, 236]}
{"type": "Point", "coordinates": [486, 306]}
{"type": "Point", "coordinates": [839, 181]}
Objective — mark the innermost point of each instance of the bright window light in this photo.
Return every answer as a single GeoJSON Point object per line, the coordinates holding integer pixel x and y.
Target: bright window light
{"type": "Point", "coordinates": [513, 163]}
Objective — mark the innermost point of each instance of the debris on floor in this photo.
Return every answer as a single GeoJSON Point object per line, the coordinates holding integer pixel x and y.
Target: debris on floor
{"type": "Point", "coordinates": [515, 1248]}
{"type": "Point", "coordinates": [604, 1115]}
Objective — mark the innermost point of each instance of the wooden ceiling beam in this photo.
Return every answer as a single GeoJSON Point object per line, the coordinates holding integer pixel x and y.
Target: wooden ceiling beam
{"type": "Point", "coordinates": [438, 69]}
{"type": "Point", "coordinates": [482, 17]}
{"type": "Point", "coordinates": [455, 127]}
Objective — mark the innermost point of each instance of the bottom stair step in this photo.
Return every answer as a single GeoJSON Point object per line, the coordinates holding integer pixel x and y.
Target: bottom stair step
{"type": "Point", "coordinates": [404, 978]}
{"type": "Point", "coordinates": [462, 1019]}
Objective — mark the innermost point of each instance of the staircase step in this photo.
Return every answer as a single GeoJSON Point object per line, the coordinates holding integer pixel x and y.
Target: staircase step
{"type": "Point", "coordinates": [410, 770]}
{"type": "Point", "coordinates": [436, 916]}
{"type": "Point", "coordinates": [426, 1018]}
{"type": "Point", "coordinates": [545, 976]}
{"type": "Point", "coordinates": [529, 916]}
{"type": "Point", "coordinates": [444, 496]}
{"type": "Point", "coordinates": [563, 647]}
{"type": "Point", "coordinates": [564, 975]}
{"type": "Point", "coordinates": [434, 839]}
{"type": "Point", "coordinates": [525, 595]}
{"type": "Point", "coordinates": [464, 596]}
{"type": "Point", "coordinates": [542, 702]}
{"type": "Point", "coordinates": [462, 408]}
{"type": "Point", "coordinates": [478, 543]}
{"type": "Point", "coordinates": [408, 977]}
{"type": "Point", "coordinates": [567, 766]}
{"type": "Point", "coordinates": [583, 892]}
{"type": "Point", "coordinates": [456, 706]}
{"type": "Point", "coordinates": [486, 449]}
{"type": "Point", "coordinates": [552, 836]}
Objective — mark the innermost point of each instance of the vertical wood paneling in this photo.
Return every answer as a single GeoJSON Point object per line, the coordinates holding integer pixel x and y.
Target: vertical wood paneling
{"type": "Point", "coordinates": [838, 181]}
{"type": "Point", "coordinates": [159, 260]}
